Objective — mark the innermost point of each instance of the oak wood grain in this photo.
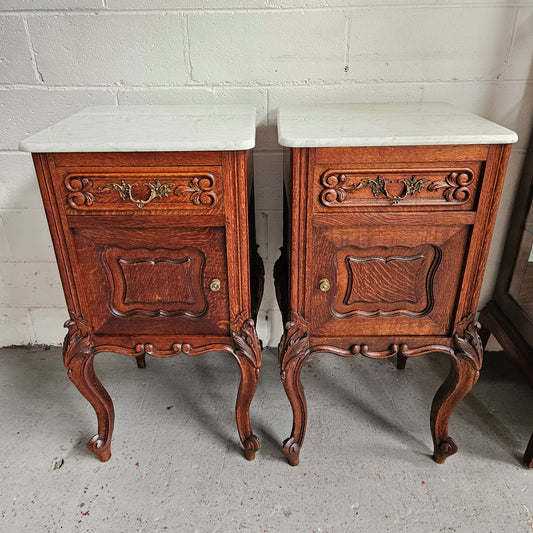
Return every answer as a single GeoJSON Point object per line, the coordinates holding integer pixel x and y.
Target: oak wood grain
{"type": "Point", "coordinates": [154, 256]}
{"type": "Point", "coordinates": [392, 269]}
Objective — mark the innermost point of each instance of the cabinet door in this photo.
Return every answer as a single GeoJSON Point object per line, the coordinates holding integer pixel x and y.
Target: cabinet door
{"type": "Point", "coordinates": [385, 279]}
{"type": "Point", "coordinates": [159, 280]}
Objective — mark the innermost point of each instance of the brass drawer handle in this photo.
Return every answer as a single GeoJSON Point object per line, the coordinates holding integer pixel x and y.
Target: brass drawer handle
{"type": "Point", "coordinates": [215, 285]}
{"type": "Point", "coordinates": [157, 190]}
{"type": "Point", "coordinates": [324, 285]}
{"type": "Point", "coordinates": [411, 186]}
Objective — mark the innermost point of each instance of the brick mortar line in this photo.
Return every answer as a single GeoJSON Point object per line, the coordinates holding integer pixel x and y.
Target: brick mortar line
{"type": "Point", "coordinates": [238, 10]}
{"type": "Point", "coordinates": [258, 85]}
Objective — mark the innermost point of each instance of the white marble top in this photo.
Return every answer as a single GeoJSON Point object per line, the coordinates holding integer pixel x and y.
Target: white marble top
{"type": "Point", "coordinates": [149, 128]}
{"type": "Point", "coordinates": [385, 125]}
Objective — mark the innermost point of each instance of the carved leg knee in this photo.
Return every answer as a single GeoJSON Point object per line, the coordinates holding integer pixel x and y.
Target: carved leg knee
{"type": "Point", "coordinates": [464, 372]}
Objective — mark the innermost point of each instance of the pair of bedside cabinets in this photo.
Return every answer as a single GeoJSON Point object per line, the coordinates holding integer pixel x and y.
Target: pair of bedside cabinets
{"type": "Point", "coordinates": [388, 215]}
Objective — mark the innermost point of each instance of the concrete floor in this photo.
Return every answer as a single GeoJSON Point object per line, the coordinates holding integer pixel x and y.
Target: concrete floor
{"type": "Point", "coordinates": [177, 466]}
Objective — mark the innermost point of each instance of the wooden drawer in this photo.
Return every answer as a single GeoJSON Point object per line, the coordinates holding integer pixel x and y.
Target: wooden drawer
{"type": "Point", "coordinates": [140, 191]}
{"type": "Point", "coordinates": [421, 185]}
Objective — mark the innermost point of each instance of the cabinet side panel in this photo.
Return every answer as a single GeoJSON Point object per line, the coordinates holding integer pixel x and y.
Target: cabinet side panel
{"type": "Point", "coordinates": [489, 199]}
{"type": "Point", "coordinates": [237, 232]}
{"type": "Point", "coordinates": [57, 226]}
{"type": "Point", "coordinates": [302, 163]}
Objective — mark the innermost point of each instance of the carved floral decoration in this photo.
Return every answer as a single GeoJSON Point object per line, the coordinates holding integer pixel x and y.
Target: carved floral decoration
{"type": "Point", "coordinates": [337, 186]}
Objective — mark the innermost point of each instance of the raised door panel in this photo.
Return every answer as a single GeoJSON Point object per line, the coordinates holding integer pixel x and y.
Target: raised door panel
{"type": "Point", "coordinates": [153, 280]}
{"type": "Point", "coordinates": [391, 279]}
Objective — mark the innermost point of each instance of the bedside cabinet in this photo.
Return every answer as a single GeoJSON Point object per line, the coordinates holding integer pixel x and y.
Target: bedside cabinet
{"type": "Point", "coordinates": [389, 211]}
{"type": "Point", "coordinates": [151, 214]}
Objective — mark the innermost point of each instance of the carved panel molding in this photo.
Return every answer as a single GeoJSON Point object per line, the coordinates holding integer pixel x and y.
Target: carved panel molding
{"type": "Point", "coordinates": [155, 282]}
{"type": "Point", "coordinates": [386, 282]}
{"type": "Point", "coordinates": [345, 187]}
{"type": "Point", "coordinates": [96, 191]}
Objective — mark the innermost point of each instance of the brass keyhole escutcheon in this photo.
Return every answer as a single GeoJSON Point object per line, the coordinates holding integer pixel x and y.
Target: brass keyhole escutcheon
{"type": "Point", "coordinates": [215, 285]}
{"type": "Point", "coordinates": [324, 285]}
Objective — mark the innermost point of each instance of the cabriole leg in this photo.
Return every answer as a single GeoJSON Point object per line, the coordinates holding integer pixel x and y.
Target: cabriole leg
{"type": "Point", "coordinates": [78, 356]}
{"type": "Point", "coordinates": [465, 365]}
{"type": "Point", "coordinates": [293, 352]}
{"type": "Point", "coordinates": [290, 377]}
{"type": "Point", "coordinates": [247, 352]}
{"type": "Point", "coordinates": [247, 387]}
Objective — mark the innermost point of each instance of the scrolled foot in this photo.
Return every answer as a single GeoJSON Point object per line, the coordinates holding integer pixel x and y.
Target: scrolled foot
{"type": "Point", "coordinates": [101, 448]}
{"type": "Point", "coordinates": [291, 450]}
{"type": "Point", "coordinates": [251, 445]}
{"type": "Point", "coordinates": [443, 450]}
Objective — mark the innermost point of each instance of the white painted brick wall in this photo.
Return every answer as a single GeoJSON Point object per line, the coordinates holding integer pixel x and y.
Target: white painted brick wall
{"type": "Point", "coordinates": [59, 56]}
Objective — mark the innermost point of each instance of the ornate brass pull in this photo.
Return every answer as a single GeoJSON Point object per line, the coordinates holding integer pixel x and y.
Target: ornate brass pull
{"type": "Point", "coordinates": [215, 285]}
{"type": "Point", "coordinates": [411, 186]}
{"type": "Point", "coordinates": [157, 190]}
{"type": "Point", "coordinates": [324, 285]}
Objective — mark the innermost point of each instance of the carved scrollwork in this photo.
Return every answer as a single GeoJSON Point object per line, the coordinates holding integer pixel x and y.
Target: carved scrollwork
{"type": "Point", "coordinates": [412, 186]}
{"type": "Point", "coordinates": [175, 349]}
{"type": "Point", "coordinates": [79, 188]}
{"type": "Point", "coordinates": [244, 335]}
{"type": "Point", "coordinates": [291, 450]}
{"type": "Point", "coordinates": [401, 350]}
{"type": "Point", "coordinates": [295, 340]}
{"type": "Point", "coordinates": [456, 186]}
{"type": "Point", "coordinates": [335, 188]}
{"type": "Point", "coordinates": [470, 345]}
{"type": "Point", "coordinates": [201, 189]}
{"type": "Point", "coordinates": [78, 339]}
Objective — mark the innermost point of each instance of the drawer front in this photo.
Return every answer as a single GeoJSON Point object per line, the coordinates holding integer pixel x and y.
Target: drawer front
{"type": "Point", "coordinates": [443, 185]}
{"type": "Point", "coordinates": [90, 191]}
{"type": "Point", "coordinates": [385, 279]}
{"type": "Point", "coordinates": [153, 280]}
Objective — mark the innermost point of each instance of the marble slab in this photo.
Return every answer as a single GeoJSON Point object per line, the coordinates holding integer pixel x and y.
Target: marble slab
{"type": "Point", "coordinates": [331, 125]}
{"type": "Point", "coordinates": [149, 128]}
